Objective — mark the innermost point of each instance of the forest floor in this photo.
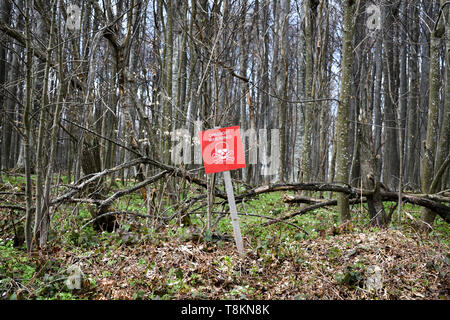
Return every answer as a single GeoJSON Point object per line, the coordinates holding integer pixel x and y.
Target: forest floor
{"type": "Point", "coordinates": [177, 262]}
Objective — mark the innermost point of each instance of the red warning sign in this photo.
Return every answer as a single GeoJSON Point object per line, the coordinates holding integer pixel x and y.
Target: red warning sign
{"type": "Point", "coordinates": [222, 149]}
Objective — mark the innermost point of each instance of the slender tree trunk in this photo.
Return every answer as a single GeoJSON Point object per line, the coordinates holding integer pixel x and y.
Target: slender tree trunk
{"type": "Point", "coordinates": [5, 14]}
{"type": "Point", "coordinates": [265, 98]}
{"type": "Point", "coordinates": [282, 84]}
{"type": "Point", "coordinates": [325, 110]}
{"type": "Point", "coordinates": [243, 65]}
{"type": "Point", "coordinates": [299, 134]}
{"type": "Point", "coordinates": [27, 125]}
{"type": "Point", "coordinates": [168, 70]}
{"type": "Point", "coordinates": [45, 224]}
{"type": "Point", "coordinates": [403, 78]}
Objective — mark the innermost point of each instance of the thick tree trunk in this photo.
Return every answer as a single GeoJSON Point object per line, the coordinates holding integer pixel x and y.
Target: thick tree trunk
{"type": "Point", "coordinates": [370, 175]}
{"type": "Point", "coordinates": [343, 157]}
{"type": "Point", "coordinates": [444, 137]}
{"type": "Point", "coordinates": [429, 168]}
{"type": "Point", "coordinates": [412, 138]}
{"type": "Point", "coordinates": [310, 18]}
{"type": "Point", "coordinates": [41, 218]}
{"type": "Point", "coordinates": [377, 102]}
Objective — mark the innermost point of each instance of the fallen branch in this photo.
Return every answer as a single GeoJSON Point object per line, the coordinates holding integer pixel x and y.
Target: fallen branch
{"type": "Point", "coordinates": [181, 173]}
{"type": "Point", "coordinates": [301, 199]}
{"type": "Point", "coordinates": [442, 210]}
{"type": "Point", "coordinates": [107, 202]}
{"type": "Point", "coordinates": [432, 202]}
{"type": "Point", "coordinates": [77, 188]}
{"type": "Point", "coordinates": [421, 200]}
{"type": "Point", "coordinates": [310, 208]}
{"type": "Point", "coordinates": [334, 187]}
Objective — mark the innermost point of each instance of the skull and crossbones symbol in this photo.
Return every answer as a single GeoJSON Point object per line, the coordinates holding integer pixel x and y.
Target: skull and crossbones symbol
{"type": "Point", "coordinates": [222, 152]}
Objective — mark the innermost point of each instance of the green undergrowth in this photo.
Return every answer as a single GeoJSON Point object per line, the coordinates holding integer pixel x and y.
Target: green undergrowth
{"type": "Point", "coordinates": [42, 274]}
{"type": "Point", "coordinates": [31, 276]}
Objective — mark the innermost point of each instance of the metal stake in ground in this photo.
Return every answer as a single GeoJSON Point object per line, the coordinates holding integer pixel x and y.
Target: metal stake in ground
{"type": "Point", "coordinates": [233, 211]}
{"type": "Point", "coordinates": [222, 151]}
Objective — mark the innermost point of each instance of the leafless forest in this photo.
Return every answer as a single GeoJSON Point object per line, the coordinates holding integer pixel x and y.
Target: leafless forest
{"type": "Point", "coordinates": [343, 107]}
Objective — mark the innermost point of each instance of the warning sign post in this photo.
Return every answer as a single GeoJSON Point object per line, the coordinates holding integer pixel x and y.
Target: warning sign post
{"type": "Point", "coordinates": [222, 151]}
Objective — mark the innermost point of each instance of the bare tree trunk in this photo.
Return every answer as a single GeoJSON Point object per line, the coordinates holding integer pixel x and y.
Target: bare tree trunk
{"type": "Point", "coordinates": [168, 76]}
{"type": "Point", "coordinates": [377, 102]}
{"type": "Point", "coordinates": [430, 144]}
{"type": "Point", "coordinates": [369, 170]}
{"type": "Point", "coordinates": [325, 67]}
{"type": "Point", "coordinates": [243, 65]}
{"type": "Point", "coordinates": [282, 84]}
{"type": "Point", "coordinates": [444, 137]}
{"type": "Point", "coordinates": [5, 14]}
{"type": "Point", "coordinates": [299, 128]}
{"type": "Point", "coordinates": [427, 7]}
{"type": "Point", "coordinates": [412, 138]}
{"type": "Point", "coordinates": [27, 124]}
{"type": "Point", "coordinates": [310, 17]}
{"type": "Point", "coordinates": [263, 95]}
{"type": "Point", "coordinates": [391, 152]}
{"type": "Point", "coordinates": [343, 157]}
{"type": "Point", "coordinates": [41, 158]}
{"type": "Point", "coordinates": [45, 224]}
